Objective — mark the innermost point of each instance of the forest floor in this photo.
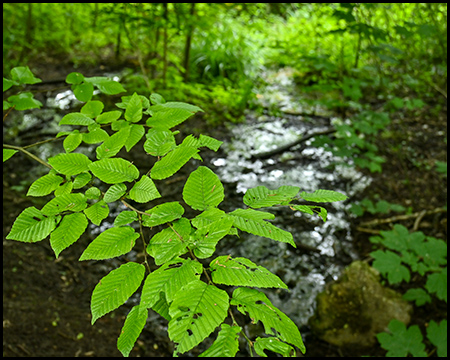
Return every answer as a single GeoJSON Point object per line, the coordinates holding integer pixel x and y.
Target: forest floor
{"type": "Point", "coordinates": [46, 302]}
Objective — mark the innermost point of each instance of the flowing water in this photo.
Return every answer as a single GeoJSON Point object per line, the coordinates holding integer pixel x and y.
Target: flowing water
{"type": "Point", "coordinates": [324, 248]}
{"type": "Point", "coordinates": [304, 271]}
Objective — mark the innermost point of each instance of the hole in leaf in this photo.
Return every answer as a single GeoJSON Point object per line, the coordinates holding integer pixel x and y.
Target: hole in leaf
{"type": "Point", "coordinates": [197, 315]}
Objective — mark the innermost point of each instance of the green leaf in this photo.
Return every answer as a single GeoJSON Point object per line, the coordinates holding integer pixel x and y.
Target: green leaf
{"type": "Point", "coordinates": [159, 142]}
{"type": "Point", "coordinates": [172, 162]}
{"type": "Point", "coordinates": [311, 209]}
{"type": "Point", "coordinates": [136, 134]}
{"type": "Point", "coordinates": [133, 112]}
{"type": "Point", "coordinates": [259, 308]}
{"type": "Point", "coordinates": [163, 213]}
{"type": "Point", "coordinates": [74, 78]}
{"type": "Point", "coordinates": [69, 231]}
{"type": "Point", "coordinates": [97, 212]}
{"type": "Point", "coordinates": [65, 202]}
{"type": "Point", "coordinates": [95, 136]}
{"type": "Point", "coordinates": [420, 296]}
{"type": "Point", "coordinates": [260, 196]}
{"type": "Point", "coordinates": [125, 217]}
{"type": "Point", "coordinates": [76, 119]}
{"type": "Point", "coordinates": [437, 334]}
{"type": "Point", "coordinates": [170, 114]}
{"type": "Point", "coordinates": [169, 279]}
{"type": "Point", "coordinates": [170, 242]}
{"type": "Point", "coordinates": [105, 85]}
{"type": "Point", "coordinates": [274, 345]}
{"type": "Point", "coordinates": [108, 117]}
{"type": "Point", "coordinates": [115, 288]}
{"type": "Point", "coordinates": [206, 238]}
{"type": "Point", "coordinates": [203, 189]}
{"type": "Point", "coordinates": [157, 99]}
{"type": "Point", "coordinates": [23, 75]}
{"type": "Point", "coordinates": [132, 328]}
{"type": "Point", "coordinates": [401, 341]}
{"type": "Point", "coordinates": [8, 153]}
{"type": "Point", "coordinates": [115, 192]}
{"type": "Point", "coordinates": [197, 309]}
{"type": "Point", "coordinates": [32, 225]}
{"type": "Point", "coordinates": [389, 264]}
{"type": "Point", "coordinates": [323, 196]}
{"type": "Point", "coordinates": [113, 144]}
{"type": "Point", "coordinates": [81, 180]}
{"type": "Point", "coordinates": [209, 142]}
{"type": "Point", "coordinates": [112, 171]}
{"type": "Point", "coordinates": [92, 108]}
{"type": "Point", "coordinates": [24, 101]}
{"type": "Point", "coordinates": [70, 164]}
{"type": "Point", "coordinates": [110, 243]}
{"type": "Point", "coordinates": [437, 283]}
{"type": "Point", "coordinates": [144, 190]}
{"type": "Point", "coordinates": [44, 185]}
{"type": "Point", "coordinates": [72, 141]}
{"type": "Point", "coordinates": [242, 272]}
{"type": "Point", "coordinates": [226, 344]}
{"type": "Point", "coordinates": [252, 221]}
{"type": "Point", "coordinates": [83, 92]}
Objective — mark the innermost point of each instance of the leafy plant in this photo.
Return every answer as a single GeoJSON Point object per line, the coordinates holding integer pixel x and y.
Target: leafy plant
{"type": "Point", "coordinates": [190, 287]}
{"type": "Point", "coordinates": [425, 255]}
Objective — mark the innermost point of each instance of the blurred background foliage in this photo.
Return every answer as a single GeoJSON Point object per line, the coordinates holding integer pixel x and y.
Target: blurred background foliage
{"type": "Point", "coordinates": [214, 54]}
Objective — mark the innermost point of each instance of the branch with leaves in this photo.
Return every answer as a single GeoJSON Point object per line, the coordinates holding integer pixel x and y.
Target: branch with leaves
{"type": "Point", "coordinates": [185, 249]}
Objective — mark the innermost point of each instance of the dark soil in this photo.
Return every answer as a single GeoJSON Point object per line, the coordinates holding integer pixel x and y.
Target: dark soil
{"type": "Point", "coordinates": [46, 302]}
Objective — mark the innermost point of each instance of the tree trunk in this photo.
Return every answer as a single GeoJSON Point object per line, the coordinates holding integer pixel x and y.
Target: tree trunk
{"type": "Point", "coordinates": [187, 48]}
{"type": "Point", "coordinates": [165, 16]}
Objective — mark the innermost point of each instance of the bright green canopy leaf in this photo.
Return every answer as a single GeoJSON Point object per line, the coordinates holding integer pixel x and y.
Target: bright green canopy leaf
{"type": "Point", "coordinates": [115, 170]}
{"type": "Point", "coordinates": [273, 344]}
{"type": "Point", "coordinates": [65, 202]}
{"type": "Point", "coordinates": [170, 242]}
{"type": "Point", "coordinates": [323, 196]}
{"type": "Point", "coordinates": [206, 238]}
{"type": "Point", "coordinates": [226, 344]}
{"type": "Point", "coordinates": [252, 221]}
{"type": "Point", "coordinates": [97, 212]}
{"type": "Point", "coordinates": [8, 153]}
{"type": "Point", "coordinates": [76, 119]}
{"type": "Point", "coordinates": [172, 162]}
{"type": "Point", "coordinates": [144, 190]}
{"type": "Point", "coordinates": [110, 243]}
{"type": "Point", "coordinates": [69, 231]}
{"type": "Point", "coordinates": [242, 272]}
{"type": "Point", "coordinates": [159, 142]}
{"type": "Point", "coordinates": [115, 288]}
{"type": "Point", "coordinates": [132, 328]}
{"type": "Point", "coordinates": [32, 225]}
{"type": "Point", "coordinates": [312, 209]}
{"type": "Point", "coordinates": [70, 164]}
{"type": "Point", "coordinates": [133, 112]}
{"type": "Point", "coordinates": [163, 213]}
{"type": "Point", "coordinates": [115, 192]}
{"type": "Point", "coordinates": [44, 185]}
{"type": "Point", "coordinates": [259, 308]}
{"type": "Point", "coordinates": [197, 309]}
{"type": "Point", "coordinates": [203, 189]}
{"type": "Point", "coordinates": [169, 279]}
{"type": "Point", "coordinates": [260, 196]}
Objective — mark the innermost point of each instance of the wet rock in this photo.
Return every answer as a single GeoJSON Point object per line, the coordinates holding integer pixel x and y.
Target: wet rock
{"type": "Point", "coordinates": [353, 309]}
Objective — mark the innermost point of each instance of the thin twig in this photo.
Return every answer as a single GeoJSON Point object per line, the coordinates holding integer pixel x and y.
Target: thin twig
{"type": "Point", "coordinates": [34, 157]}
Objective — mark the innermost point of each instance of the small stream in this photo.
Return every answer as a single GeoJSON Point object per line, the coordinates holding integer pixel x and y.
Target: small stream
{"type": "Point", "coordinates": [330, 244]}
{"type": "Point", "coordinates": [305, 272]}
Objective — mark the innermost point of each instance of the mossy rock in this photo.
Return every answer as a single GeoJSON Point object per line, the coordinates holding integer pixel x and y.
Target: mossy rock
{"type": "Point", "coordinates": [356, 307]}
